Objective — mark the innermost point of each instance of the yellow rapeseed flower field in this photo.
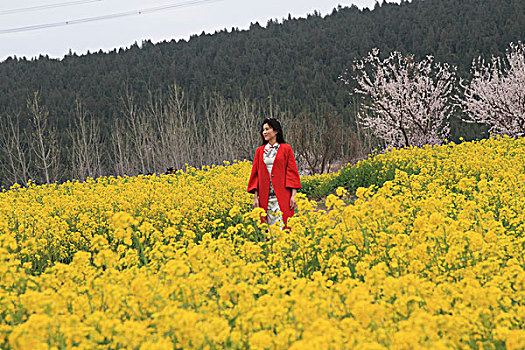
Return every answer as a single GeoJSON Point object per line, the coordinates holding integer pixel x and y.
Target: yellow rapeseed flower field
{"type": "Point", "coordinates": [429, 260]}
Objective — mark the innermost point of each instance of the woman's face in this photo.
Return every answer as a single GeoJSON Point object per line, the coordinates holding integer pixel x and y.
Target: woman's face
{"type": "Point", "coordinates": [269, 133]}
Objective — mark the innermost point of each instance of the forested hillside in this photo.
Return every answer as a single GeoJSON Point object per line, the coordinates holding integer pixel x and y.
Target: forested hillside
{"type": "Point", "coordinates": [291, 67]}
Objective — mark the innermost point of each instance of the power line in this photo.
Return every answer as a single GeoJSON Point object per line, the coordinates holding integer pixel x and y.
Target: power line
{"type": "Point", "coordinates": [46, 7]}
{"type": "Point", "coordinates": [106, 17]}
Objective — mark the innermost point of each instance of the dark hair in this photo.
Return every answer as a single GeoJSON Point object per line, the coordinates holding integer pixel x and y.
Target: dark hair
{"type": "Point", "coordinates": [275, 125]}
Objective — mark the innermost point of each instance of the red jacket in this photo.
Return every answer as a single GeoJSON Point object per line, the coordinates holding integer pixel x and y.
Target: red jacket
{"type": "Point", "coordinates": [285, 176]}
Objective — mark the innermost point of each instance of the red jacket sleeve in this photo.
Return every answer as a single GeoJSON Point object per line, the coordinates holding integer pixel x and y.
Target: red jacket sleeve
{"type": "Point", "coordinates": [292, 179]}
{"type": "Point", "coordinates": [253, 182]}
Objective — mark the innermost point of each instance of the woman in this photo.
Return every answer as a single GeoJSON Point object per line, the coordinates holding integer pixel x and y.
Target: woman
{"type": "Point", "coordinates": [274, 179]}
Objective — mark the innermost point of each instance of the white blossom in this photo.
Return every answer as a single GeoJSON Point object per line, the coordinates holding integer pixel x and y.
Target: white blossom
{"type": "Point", "coordinates": [407, 103]}
{"type": "Point", "coordinates": [496, 93]}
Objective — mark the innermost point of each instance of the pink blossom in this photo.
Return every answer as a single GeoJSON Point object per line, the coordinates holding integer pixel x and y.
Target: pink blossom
{"type": "Point", "coordinates": [496, 93]}
{"type": "Point", "coordinates": [406, 103]}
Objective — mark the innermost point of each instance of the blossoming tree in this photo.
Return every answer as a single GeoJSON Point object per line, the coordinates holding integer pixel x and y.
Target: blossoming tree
{"type": "Point", "coordinates": [496, 93]}
{"type": "Point", "coordinates": [407, 103]}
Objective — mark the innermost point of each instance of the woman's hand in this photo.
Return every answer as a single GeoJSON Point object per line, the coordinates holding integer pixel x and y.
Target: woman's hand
{"type": "Point", "coordinates": [256, 200]}
{"type": "Point", "coordinates": [293, 204]}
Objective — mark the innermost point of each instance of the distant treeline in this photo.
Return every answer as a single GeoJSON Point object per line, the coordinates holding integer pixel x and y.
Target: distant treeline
{"type": "Point", "coordinates": [293, 66]}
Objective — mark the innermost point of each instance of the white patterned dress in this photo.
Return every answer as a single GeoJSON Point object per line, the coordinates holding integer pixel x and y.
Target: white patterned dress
{"type": "Point", "coordinates": [273, 213]}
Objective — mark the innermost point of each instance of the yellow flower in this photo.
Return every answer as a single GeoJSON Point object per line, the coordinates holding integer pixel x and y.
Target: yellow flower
{"type": "Point", "coordinates": [428, 260]}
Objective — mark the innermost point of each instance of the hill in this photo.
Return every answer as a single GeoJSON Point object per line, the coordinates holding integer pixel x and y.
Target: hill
{"type": "Point", "coordinates": [292, 67]}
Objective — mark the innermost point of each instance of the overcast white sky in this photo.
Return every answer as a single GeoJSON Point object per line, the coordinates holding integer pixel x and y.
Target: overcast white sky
{"type": "Point", "coordinates": [191, 17]}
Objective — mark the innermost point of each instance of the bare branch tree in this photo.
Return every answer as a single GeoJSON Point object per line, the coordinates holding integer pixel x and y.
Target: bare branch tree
{"type": "Point", "coordinates": [15, 149]}
{"type": "Point", "coordinates": [133, 122]}
{"type": "Point", "coordinates": [86, 142]}
{"type": "Point", "coordinates": [219, 139]}
{"type": "Point", "coordinates": [157, 111]}
{"type": "Point", "coordinates": [135, 142]}
{"type": "Point", "coordinates": [44, 142]}
{"type": "Point", "coordinates": [408, 102]}
{"type": "Point", "coordinates": [174, 133]}
{"type": "Point", "coordinates": [184, 138]}
{"type": "Point", "coordinates": [496, 94]}
{"type": "Point", "coordinates": [248, 123]}
{"type": "Point", "coordinates": [317, 142]}
{"type": "Point", "coordinates": [169, 133]}
{"type": "Point", "coordinates": [232, 128]}
{"type": "Point", "coordinates": [121, 153]}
